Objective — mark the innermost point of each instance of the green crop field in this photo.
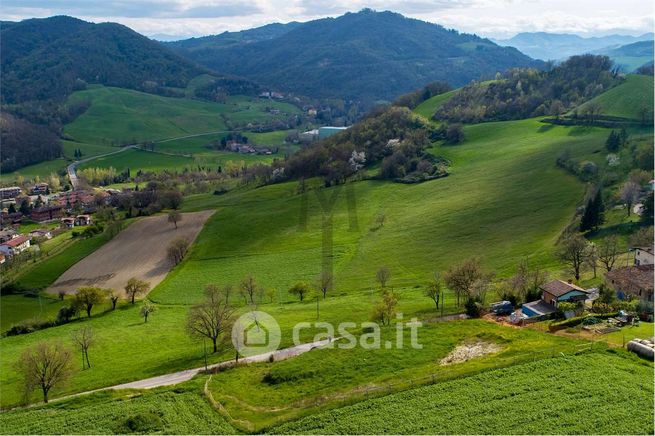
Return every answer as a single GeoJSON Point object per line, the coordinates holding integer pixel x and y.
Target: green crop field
{"type": "Point", "coordinates": [135, 160]}
{"type": "Point", "coordinates": [259, 396]}
{"type": "Point", "coordinates": [627, 100]}
{"type": "Point", "coordinates": [504, 185]}
{"type": "Point", "coordinates": [127, 116]}
{"type": "Point", "coordinates": [591, 393]}
{"type": "Point", "coordinates": [165, 411]}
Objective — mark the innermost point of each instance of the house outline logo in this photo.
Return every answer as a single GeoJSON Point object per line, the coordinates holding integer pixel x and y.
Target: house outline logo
{"type": "Point", "coordinates": [255, 332]}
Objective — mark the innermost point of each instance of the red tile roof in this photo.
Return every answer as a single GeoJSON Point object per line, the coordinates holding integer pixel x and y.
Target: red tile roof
{"type": "Point", "coordinates": [16, 241]}
{"type": "Point", "coordinates": [632, 277]}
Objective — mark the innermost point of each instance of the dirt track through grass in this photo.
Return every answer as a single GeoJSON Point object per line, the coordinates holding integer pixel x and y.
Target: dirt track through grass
{"type": "Point", "coordinates": [139, 251]}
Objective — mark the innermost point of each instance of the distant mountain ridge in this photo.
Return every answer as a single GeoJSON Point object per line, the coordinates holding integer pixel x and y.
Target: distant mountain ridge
{"type": "Point", "coordinates": [559, 46]}
{"type": "Point", "coordinates": [366, 56]}
{"type": "Point", "coordinates": [46, 59]}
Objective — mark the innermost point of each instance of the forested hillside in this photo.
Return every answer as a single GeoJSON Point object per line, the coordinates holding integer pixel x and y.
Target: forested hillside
{"type": "Point", "coordinates": [366, 56]}
{"type": "Point", "coordinates": [524, 93]}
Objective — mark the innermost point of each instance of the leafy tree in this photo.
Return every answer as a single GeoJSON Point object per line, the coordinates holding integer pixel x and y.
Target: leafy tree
{"type": "Point", "coordinates": [382, 276]}
{"type": "Point", "coordinates": [44, 366]}
{"type": "Point", "coordinates": [89, 296]}
{"type": "Point", "coordinates": [136, 287]}
{"type": "Point", "coordinates": [594, 213]}
{"type": "Point", "coordinates": [147, 309]}
{"type": "Point", "coordinates": [465, 277]}
{"type": "Point", "coordinates": [647, 214]}
{"type": "Point", "coordinates": [84, 338]}
{"type": "Point", "coordinates": [212, 318]}
{"type": "Point", "coordinates": [177, 249]}
{"type": "Point", "coordinates": [113, 296]}
{"type": "Point", "coordinates": [385, 310]}
{"type": "Point", "coordinates": [174, 217]}
{"type": "Point", "coordinates": [613, 142]}
{"type": "Point", "coordinates": [573, 251]}
{"type": "Point", "coordinates": [300, 289]}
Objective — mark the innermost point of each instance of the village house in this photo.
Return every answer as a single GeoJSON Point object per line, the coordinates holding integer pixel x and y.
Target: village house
{"type": "Point", "coordinates": [41, 233]}
{"type": "Point", "coordinates": [554, 293]}
{"type": "Point", "coordinates": [68, 223]}
{"type": "Point", "coordinates": [3, 259]}
{"type": "Point", "coordinates": [39, 189]}
{"type": "Point", "coordinates": [83, 220]}
{"type": "Point", "coordinates": [636, 281]}
{"type": "Point", "coordinates": [10, 192]}
{"type": "Point", "coordinates": [15, 246]}
{"type": "Point", "coordinates": [644, 256]}
{"type": "Point", "coordinates": [47, 213]}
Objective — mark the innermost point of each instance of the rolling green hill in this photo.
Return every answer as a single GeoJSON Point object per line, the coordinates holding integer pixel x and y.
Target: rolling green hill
{"type": "Point", "coordinates": [505, 199]}
{"type": "Point", "coordinates": [631, 100]}
{"type": "Point", "coordinates": [125, 116]}
{"type": "Point", "coordinates": [430, 106]}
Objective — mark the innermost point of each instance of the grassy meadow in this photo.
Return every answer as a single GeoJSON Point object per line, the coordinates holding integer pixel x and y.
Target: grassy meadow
{"type": "Point", "coordinates": [626, 100]}
{"type": "Point", "coordinates": [590, 393]}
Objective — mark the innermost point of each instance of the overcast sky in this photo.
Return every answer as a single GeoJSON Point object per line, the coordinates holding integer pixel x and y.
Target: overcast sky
{"type": "Point", "coordinates": [175, 19]}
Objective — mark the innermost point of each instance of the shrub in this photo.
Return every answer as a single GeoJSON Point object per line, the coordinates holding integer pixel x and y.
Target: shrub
{"type": "Point", "coordinates": [147, 422]}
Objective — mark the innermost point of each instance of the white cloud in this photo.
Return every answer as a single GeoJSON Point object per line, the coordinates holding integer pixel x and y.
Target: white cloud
{"type": "Point", "coordinates": [493, 18]}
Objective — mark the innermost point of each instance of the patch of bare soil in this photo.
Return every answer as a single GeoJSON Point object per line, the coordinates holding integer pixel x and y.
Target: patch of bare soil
{"type": "Point", "coordinates": [138, 251]}
{"type": "Point", "coordinates": [469, 351]}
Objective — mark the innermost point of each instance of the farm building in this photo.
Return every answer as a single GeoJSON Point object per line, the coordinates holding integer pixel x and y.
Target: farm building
{"type": "Point", "coordinates": [644, 256]}
{"type": "Point", "coordinates": [632, 280]}
{"type": "Point", "coordinates": [15, 246]}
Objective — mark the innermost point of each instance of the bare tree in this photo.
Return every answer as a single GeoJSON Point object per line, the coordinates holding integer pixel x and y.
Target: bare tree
{"type": "Point", "coordinates": [174, 217]}
{"type": "Point", "coordinates": [147, 309]}
{"type": "Point", "coordinates": [249, 289]}
{"type": "Point", "coordinates": [608, 252]}
{"type": "Point", "coordinates": [630, 194]}
{"type": "Point", "coordinates": [466, 277]}
{"type": "Point", "coordinates": [113, 297]}
{"type": "Point", "coordinates": [382, 276]}
{"type": "Point", "coordinates": [44, 366]}
{"type": "Point", "coordinates": [177, 250]}
{"type": "Point", "coordinates": [433, 290]}
{"type": "Point", "coordinates": [136, 287]}
{"type": "Point", "coordinates": [325, 282]}
{"type": "Point", "coordinates": [61, 294]}
{"type": "Point", "coordinates": [212, 318]}
{"type": "Point", "coordinates": [89, 296]}
{"type": "Point", "coordinates": [573, 251]}
{"type": "Point", "coordinates": [83, 338]}
{"type": "Point", "coordinates": [592, 258]}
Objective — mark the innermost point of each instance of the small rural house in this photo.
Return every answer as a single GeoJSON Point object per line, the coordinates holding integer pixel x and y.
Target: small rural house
{"type": "Point", "coordinates": [83, 220]}
{"type": "Point", "coordinates": [41, 233]}
{"type": "Point", "coordinates": [68, 223]}
{"type": "Point", "coordinates": [632, 280]}
{"type": "Point", "coordinates": [554, 293]}
{"type": "Point", "coordinates": [39, 188]}
{"type": "Point", "coordinates": [15, 246]}
{"type": "Point", "coordinates": [644, 256]}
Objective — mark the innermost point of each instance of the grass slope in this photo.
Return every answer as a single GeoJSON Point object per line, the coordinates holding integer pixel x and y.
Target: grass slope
{"type": "Point", "coordinates": [430, 106]}
{"type": "Point", "coordinates": [165, 411]}
{"type": "Point", "coordinates": [591, 393]}
{"type": "Point", "coordinates": [135, 159]}
{"type": "Point", "coordinates": [504, 200]}
{"type": "Point", "coordinates": [123, 115]}
{"type": "Point", "coordinates": [626, 100]}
